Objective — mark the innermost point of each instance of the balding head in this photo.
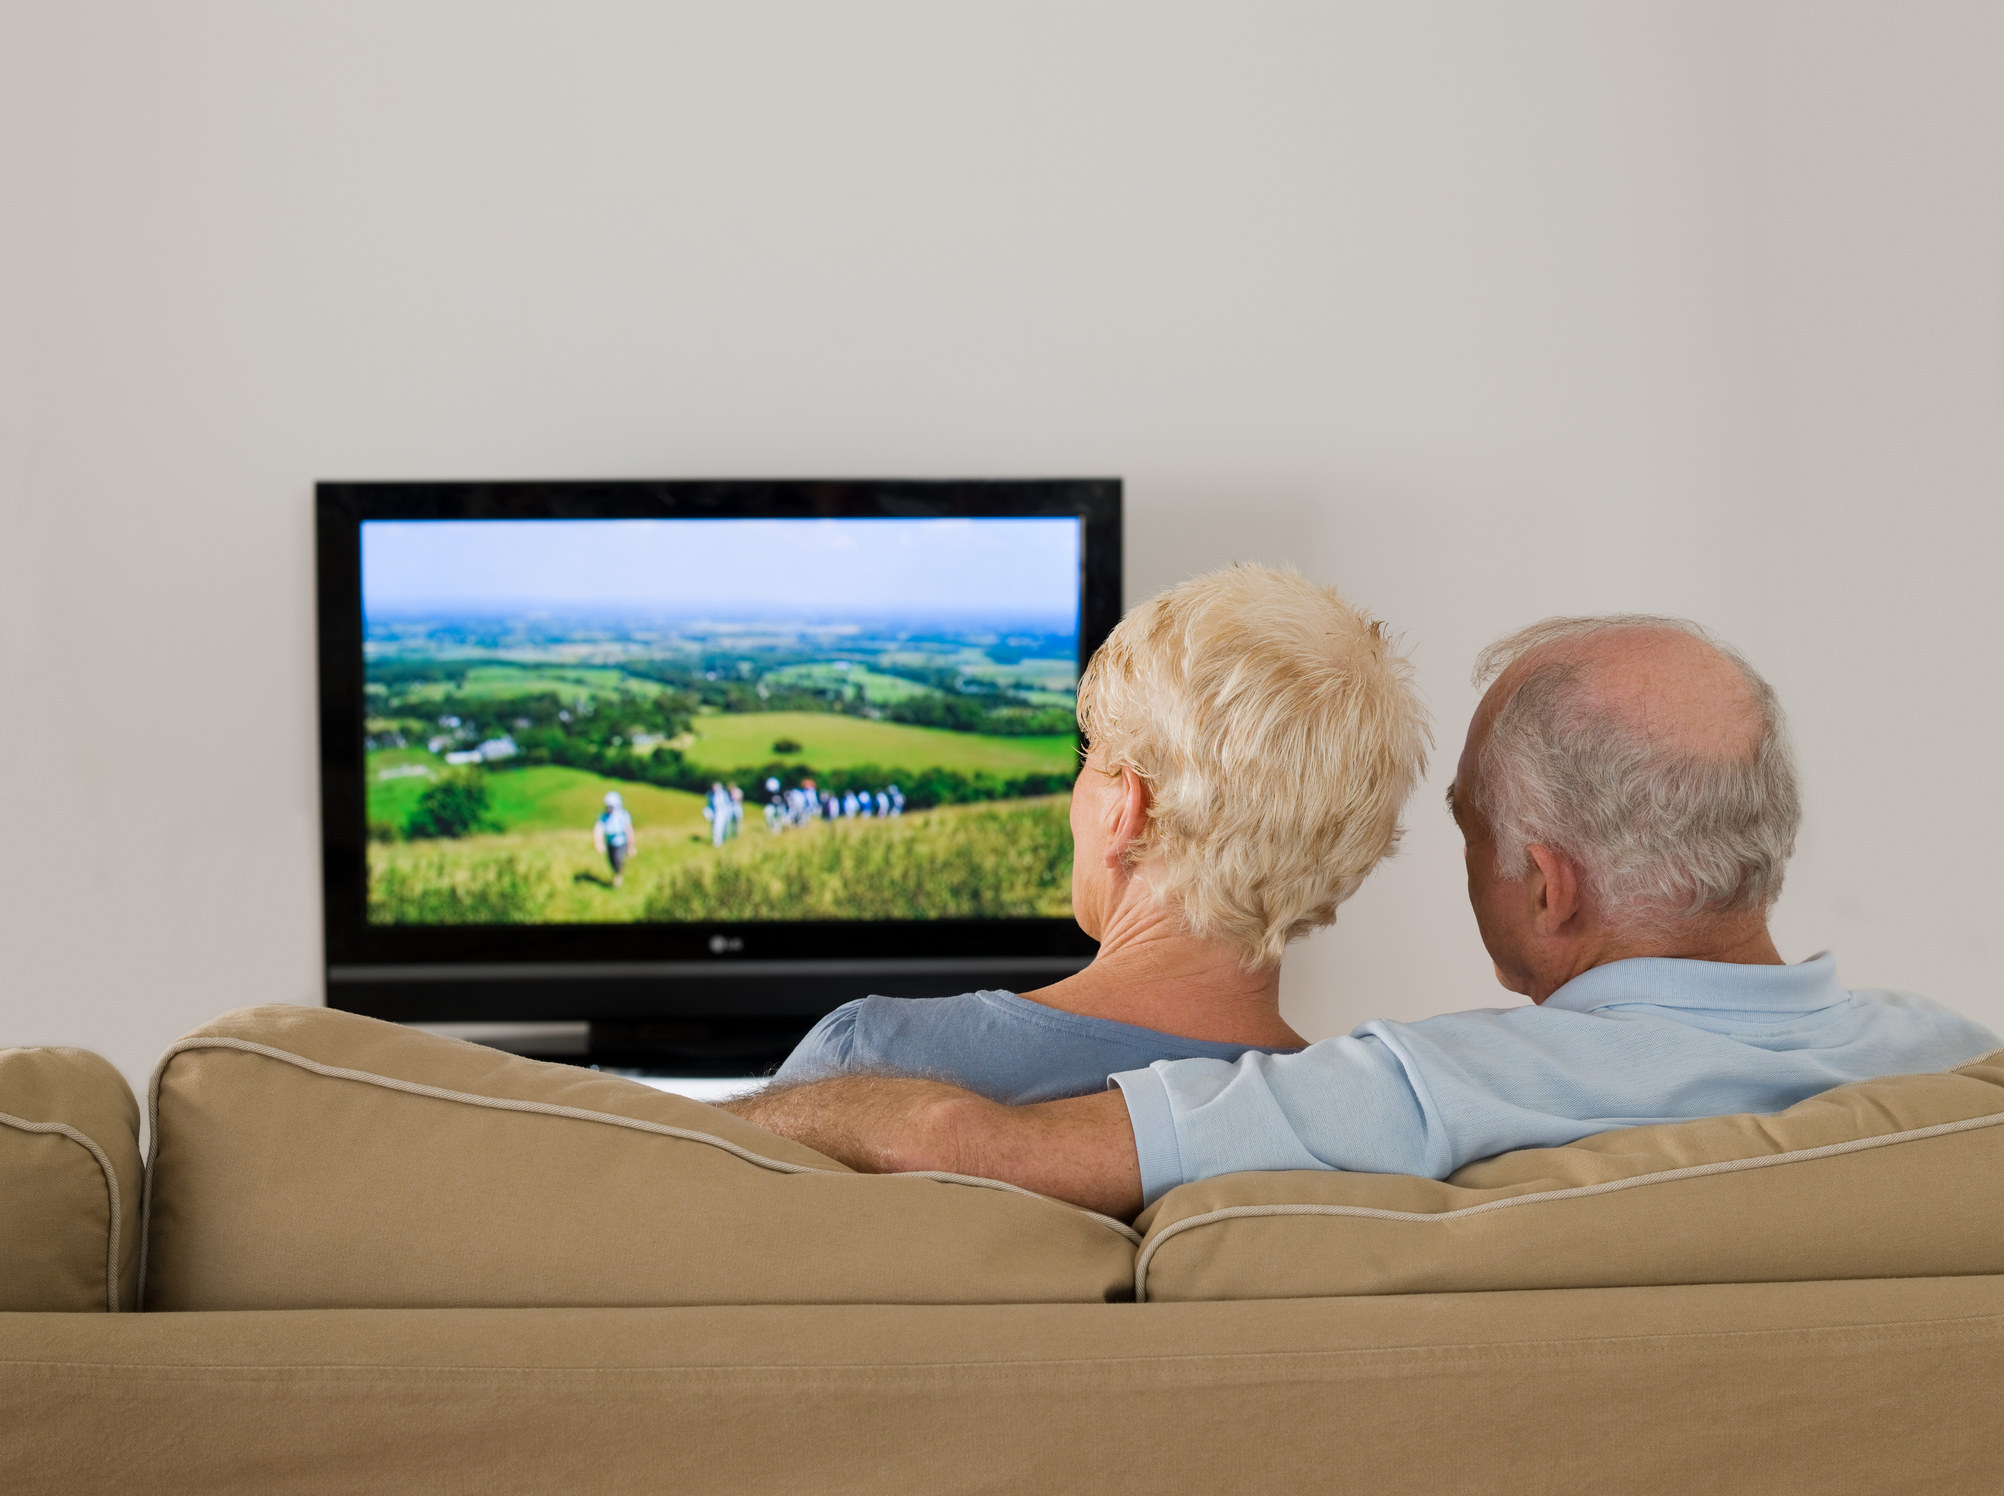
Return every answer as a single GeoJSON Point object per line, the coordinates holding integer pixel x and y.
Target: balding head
{"type": "Point", "coordinates": [1647, 752]}
{"type": "Point", "coordinates": [1658, 679]}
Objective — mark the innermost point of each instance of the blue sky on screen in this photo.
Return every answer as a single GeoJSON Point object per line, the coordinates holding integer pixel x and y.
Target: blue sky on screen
{"type": "Point", "coordinates": [825, 570]}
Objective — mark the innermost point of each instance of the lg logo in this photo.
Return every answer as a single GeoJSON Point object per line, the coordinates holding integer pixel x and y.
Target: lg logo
{"type": "Point", "coordinates": [723, 945]}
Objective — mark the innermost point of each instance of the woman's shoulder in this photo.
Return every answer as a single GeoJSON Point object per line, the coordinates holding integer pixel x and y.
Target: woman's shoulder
{"type": "Point", "coordinates": [876, 1033]}
{"type": "Point", "coordinates": [1004, 1046]}
{"type": "Point", "coordinates": [884, 1024]}
{"type": "Point", "coordinates": [826, 1048]}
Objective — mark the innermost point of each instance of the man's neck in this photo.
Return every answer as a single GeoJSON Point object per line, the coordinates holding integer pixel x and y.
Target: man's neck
{"type": "Point", "coordinates": [1150, 974]}
{"type": "Point", "coordinates": [1740, 941]}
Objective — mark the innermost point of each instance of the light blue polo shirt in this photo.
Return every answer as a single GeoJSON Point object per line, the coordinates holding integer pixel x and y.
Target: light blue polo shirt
{"type": "Point", "coordinates": [1626, 1044]}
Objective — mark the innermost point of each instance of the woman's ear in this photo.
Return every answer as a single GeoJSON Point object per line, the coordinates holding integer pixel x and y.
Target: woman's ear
{"type": "Point", "coordinates": [1130, 817]}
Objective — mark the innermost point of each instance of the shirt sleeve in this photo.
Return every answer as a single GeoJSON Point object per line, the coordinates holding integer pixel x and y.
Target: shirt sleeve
{"type": "Point", "coordinates": [829, 1048]}
{"type": "Point", "coordinates": [1341, 1104]}
{"type": "Point", "coordinates": [1430, 1096]}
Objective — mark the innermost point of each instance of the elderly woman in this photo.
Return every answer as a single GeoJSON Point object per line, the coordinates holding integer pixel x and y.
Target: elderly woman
{"type": "Point", "coordinates": [1252, 739]}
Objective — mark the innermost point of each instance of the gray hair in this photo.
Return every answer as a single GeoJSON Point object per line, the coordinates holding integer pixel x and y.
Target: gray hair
{"type": "Point", "coordinates": [1662, 836]}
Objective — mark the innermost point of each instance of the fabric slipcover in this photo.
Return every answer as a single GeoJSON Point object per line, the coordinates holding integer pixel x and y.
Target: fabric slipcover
{"type": "Point", "coordinates": [69, 1182]}
{"type": "Point", "coordinates": [1776, 1388]}
{"type": "Point", "coordinates": [1898, 1177]}
{"type": "Point", "coordinates": [305, 1158]}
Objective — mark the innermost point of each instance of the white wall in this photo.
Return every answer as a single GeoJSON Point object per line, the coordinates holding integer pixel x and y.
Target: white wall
{"type": "Point", "coordinates": [1881, 206]}
{"type": "Point", "coordinates": [1482, 312]}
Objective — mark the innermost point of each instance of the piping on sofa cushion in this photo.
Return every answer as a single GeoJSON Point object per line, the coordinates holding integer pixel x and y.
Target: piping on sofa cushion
{"type": "Point", "coordinates": [69, 1180]}
{"type": "Point", "coordinates": [1896, 1177]}
{"type": "Point", "coordinates": [308, 1158]}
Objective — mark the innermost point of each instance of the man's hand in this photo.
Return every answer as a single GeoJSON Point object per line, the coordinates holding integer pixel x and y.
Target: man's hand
{"type": "Point", "coordinates": [1080, 1150]}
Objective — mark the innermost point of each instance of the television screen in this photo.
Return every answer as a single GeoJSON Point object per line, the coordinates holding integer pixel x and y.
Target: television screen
{"type": "Point", "coordinates": [667, 721]}
{"type": "Point", "coordinates": [687, 762]}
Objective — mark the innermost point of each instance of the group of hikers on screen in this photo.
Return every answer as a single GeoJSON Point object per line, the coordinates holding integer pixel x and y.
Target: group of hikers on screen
{"type": "Point", "coordinates": [724, 808]}
{"type": "Point", "coordinates": [805, 804]}
{"type": "Point", "coordinates": [802, 805]}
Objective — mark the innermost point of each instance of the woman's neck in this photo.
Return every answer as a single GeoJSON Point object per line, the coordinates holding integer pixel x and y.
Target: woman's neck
{"type": "Point", "coordinates": [1151, 974]}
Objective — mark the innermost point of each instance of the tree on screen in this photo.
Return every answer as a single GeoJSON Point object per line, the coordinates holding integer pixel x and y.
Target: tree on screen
{"type": "Point", "coordinates": [457, 805]}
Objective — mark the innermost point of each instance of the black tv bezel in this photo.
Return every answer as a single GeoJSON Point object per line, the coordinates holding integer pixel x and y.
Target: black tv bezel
{"type": "Point", "coordinates": [705, 971]}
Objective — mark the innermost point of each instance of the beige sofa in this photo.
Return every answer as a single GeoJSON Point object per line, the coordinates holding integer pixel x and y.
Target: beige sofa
{"type": "Point", "coordinates": [372, 1259]}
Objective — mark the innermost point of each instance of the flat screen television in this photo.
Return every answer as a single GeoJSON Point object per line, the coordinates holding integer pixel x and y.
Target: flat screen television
{"type": "Point", "coordinates": [682, 765]}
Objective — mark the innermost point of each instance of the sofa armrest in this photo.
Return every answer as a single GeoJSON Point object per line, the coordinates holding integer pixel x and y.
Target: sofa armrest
{"type": "Point", "coordinates": [69, 1183]}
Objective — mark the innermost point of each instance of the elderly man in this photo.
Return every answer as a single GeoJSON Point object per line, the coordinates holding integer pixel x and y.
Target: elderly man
{"type": "Point", "coordinates": [1628, 801]}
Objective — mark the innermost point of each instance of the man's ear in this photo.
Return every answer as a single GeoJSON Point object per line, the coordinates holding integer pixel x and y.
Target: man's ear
{"type": "Point", "coordinates": [1130, 819]}
{"type": "Point", "coordinates": [1555, 889]}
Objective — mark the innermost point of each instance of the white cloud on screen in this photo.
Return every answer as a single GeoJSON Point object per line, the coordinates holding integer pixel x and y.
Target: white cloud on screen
{"type": "Point", "coordinates": [816, 569]}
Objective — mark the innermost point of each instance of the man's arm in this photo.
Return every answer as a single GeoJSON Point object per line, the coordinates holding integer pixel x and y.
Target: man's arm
{"type": "Point", "coordinates": [1080, 1150]}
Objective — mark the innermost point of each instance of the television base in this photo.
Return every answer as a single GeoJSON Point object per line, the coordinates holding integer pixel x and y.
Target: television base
{"type": "Point", "coordinates": [771, 1005]}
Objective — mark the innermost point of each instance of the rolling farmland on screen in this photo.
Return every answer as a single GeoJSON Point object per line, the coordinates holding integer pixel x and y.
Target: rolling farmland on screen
{"type": "Point", "coordinates": [535, 758]}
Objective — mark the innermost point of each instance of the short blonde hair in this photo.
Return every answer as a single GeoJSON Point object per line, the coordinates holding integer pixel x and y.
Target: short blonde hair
{"type": "Point", "coordinates": [1279, 734]}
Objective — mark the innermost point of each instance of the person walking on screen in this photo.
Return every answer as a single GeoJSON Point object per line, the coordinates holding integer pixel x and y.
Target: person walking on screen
{"type": "Point", "coordinates": [717, 811]}
{"type": "Point", "coordinates": [612, 835]}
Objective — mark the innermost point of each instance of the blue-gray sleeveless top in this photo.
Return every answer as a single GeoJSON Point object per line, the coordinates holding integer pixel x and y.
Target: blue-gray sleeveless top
{"type": "Point", "coordinates": [995, 1043]}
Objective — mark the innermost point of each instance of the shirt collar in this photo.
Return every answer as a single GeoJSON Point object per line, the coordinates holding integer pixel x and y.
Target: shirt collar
{"type": "Point", "coordinates": [1666, 982]}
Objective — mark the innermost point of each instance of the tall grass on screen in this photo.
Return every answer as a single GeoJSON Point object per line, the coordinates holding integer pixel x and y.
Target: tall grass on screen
{"type": "Point", "coordinates": [1010, 861]}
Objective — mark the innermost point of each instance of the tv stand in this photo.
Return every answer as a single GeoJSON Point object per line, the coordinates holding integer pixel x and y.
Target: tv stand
{"type": "Point", "coordinates": [757, 1011]}
{"type": "Point", "coordinates": [685, 1047]}
{"type": "Point", "coordinates": [663, 1046]}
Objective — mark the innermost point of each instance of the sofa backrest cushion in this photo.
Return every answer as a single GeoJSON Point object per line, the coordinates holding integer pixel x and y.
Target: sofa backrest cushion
{"type": "Point", "coordinates": [69, 1183]}
{"type": "Point", "coordinates": [305, 1158]}
{"type": "Point", "coordinates": [1892, 1178]}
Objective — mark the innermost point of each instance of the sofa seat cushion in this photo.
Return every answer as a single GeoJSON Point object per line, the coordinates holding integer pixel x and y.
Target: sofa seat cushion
{"type": "Point", "coordinates": [306, 1158]}
{"type": "Point", "coordinates": [1774, 1389]}
{"type": "Point", "coordinates": [69, 1183]}
{"type": "Point", "coordinates": [1898, 1177]}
